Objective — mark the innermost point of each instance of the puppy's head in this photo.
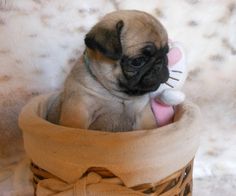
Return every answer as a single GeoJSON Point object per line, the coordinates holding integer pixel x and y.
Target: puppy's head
{"type": "Point", "coordinates": [130, 48]}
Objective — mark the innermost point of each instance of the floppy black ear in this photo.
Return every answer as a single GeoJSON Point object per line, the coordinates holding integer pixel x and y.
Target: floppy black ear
{"type": "Point", "coordinates": [106, 40]}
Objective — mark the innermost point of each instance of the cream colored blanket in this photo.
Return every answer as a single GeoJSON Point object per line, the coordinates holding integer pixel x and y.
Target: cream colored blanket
{"type": "Point", "coordinates": [135, 157]}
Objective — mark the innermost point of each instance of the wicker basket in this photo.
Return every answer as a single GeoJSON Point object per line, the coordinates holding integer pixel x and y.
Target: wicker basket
{"type": "Point", "coordinates": [171, 150]}
{"type": "Point", "coordinates": [177, 184]}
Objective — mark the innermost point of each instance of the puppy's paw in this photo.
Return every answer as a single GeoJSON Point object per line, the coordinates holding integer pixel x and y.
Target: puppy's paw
{"type": "Point", "coordinates": [171, 97]}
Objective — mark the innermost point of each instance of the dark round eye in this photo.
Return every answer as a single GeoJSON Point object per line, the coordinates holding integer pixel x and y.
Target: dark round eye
{"type": "Point", "coordinates": [138, 62]}
{"type": "Point", "coordinates": [149, 50]}
{"type": "Point", "coordinates": [166, 49]}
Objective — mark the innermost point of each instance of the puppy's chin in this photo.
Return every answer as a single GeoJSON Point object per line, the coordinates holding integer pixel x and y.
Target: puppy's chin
{"type": "Point", "coordinates": [144, 87]}
{"type": "Point", "coordinates": [140, 91]}
{"type": "Point", "coordinates": [148, 82]}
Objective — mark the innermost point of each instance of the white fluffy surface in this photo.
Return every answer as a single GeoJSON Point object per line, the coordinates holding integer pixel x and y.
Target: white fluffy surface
{"type": "Point", "coordinates": [41, 39]}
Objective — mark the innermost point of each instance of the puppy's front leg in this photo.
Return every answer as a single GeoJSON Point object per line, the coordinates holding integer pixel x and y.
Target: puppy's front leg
{"type": "Point", "coordinates": [74, 114]}
{"type": "Point", "coordinates": [147, 119]}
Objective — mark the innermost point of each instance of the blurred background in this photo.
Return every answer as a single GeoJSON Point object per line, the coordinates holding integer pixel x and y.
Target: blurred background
{"type": "Point", "coordinates": [40, 40]}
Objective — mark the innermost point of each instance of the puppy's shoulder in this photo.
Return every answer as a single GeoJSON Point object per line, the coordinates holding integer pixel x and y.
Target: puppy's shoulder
{"type": "Point", "coordinates": [54, 110]}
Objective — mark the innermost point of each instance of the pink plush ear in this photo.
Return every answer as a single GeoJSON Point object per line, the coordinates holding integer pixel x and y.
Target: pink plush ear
{"type": "Point", "coordinates": [174, 56]}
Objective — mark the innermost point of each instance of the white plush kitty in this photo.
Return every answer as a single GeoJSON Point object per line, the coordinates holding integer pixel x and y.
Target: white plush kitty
{"type": "Point", "coordinates": [169, 94]}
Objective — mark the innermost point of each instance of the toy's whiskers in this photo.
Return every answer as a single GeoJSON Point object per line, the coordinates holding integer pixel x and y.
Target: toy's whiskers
{"type": "Point", "coordinates": [176, 79]}
{"type": "Point", "coordinates": [166, 83]}
{"type": "Point", "coordinates": [176, 71]}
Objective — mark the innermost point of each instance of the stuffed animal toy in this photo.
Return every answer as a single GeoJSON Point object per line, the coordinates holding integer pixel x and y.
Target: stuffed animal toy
{"type": "Point", "coordinates": [164, 100]}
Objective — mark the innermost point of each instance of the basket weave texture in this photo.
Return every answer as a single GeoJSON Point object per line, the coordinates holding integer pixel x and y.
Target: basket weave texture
{"type": "Point", "coordinates": [177, 184]}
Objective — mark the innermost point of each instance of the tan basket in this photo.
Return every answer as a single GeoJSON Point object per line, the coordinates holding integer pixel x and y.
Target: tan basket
{"type": "Point", "coordinates": [177, 184]}
{"type": "Point", "coordinates": [68, 154]}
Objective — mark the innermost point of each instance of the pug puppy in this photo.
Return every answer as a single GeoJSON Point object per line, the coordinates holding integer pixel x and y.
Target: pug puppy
{"type": "Point", "coordinates": [108, 89]}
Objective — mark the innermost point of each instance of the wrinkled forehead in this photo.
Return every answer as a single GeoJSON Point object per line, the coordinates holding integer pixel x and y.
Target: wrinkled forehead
{"type": "Point", "coordinates": [138, 34]}
{"type": "Point", "coordinates": [136, 46]}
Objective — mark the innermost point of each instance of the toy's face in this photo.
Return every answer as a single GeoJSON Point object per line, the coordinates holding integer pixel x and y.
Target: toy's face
{"type": "Point", "coordinates": [177, 69]}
